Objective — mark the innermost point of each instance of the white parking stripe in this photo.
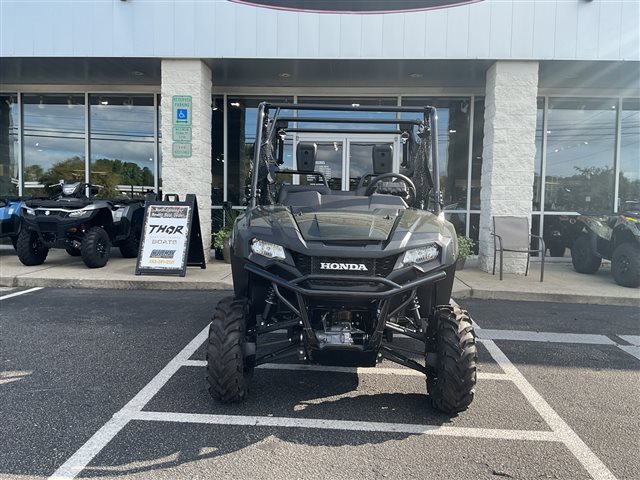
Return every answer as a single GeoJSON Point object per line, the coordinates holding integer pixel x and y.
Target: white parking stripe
{"type": "Point", "coordinates": [631, 350]}
{"type": "Point", "coordinates": [23, 292]}
{"type": "Point", "coordinates": [288, 422]}
{"type": "Point", "coordinates": [553, 337]}
{"type": "Point", "coordinates": [79, 460]}
{"type": "Point", "coordinates": [574, 443]}
{"type": "Point", "coordinates": [406, 372]}
{"type": "Point", "coordinates": [632, 339]}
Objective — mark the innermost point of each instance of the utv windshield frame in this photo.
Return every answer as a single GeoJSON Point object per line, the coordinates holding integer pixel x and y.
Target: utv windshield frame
{"type": "Point", "coordinates": [268, 129]}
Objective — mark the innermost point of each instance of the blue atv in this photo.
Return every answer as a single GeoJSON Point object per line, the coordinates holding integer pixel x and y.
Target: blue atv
{"type": "Point", "coordinates": [10, 207]}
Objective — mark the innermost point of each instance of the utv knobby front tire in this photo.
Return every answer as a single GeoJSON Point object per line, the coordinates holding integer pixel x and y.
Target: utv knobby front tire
{"type": "Point", "coordinates": [583, 257]}
{"type": "Point", "coordinates": [130, 246]}
{"type": "Point", "coordinates": [625, 264]}
{"type": "Point", "coordinates": [95, 248]}
{"type": "Point", "coordinates": [228, 369]}
{"type": "Point", "coordinates": [452, 384]}
{"type": "Point", "coordinates": [31, 251]}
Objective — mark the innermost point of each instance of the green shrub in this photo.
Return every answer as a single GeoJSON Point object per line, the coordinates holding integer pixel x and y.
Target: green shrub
{"type": "Point", "coordinates": [465, 246]}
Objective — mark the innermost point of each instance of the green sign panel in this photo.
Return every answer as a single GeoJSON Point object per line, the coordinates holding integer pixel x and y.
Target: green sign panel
{"type": "Point", "coordinates": [182, 109]}
{"type": "Point", "coordinates": [182, 150]}
{"type": "Point", "coordinates": [181, 133]}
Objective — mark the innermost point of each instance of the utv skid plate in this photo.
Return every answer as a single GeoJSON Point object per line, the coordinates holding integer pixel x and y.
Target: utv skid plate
{"type": "Point", "coordinates": [307, 346]}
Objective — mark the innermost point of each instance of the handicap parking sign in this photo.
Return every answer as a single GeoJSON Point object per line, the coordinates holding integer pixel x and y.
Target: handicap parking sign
{"type": "Point", "coordinates": [182, 109]}
{"type": "Point", "coordinates": [181, 114]}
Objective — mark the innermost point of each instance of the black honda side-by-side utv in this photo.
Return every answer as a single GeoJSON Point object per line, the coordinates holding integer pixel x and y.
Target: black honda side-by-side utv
{"type": "Point", "coordinates": [344, 268]}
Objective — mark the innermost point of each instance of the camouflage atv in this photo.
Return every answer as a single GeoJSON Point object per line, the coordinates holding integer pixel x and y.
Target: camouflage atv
{"type": "Point", "coordinates": [612, 237]}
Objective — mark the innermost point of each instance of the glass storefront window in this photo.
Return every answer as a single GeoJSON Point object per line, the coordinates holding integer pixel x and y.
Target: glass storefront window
{"type": "Point", "coordinates": [355, 101]}
{"type": "Point", "coordinates": [580, 151]}
{"type": "Point", "coordinates": [454, 115]}
{"type": "Point", "coordinates": [629, 187]}
{"type": "Point", "coordinates": [54, 135]}
{"type": "Point", "coordinates": [9, 122]}
{"type": "Point", "coordinates": [537, 185]}
{"type": "Point", "coordinates": [217, 151]}
{"type": "Point", "coordinates": [241, 134]}
{"type": "Point", "coordinates": [476, 153]}
{"type": "Point", "coordinates": [122, 144]}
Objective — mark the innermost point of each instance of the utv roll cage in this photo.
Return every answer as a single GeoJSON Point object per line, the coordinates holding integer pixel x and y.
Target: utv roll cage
{"type": "Point", "coordinates": [272, 128]}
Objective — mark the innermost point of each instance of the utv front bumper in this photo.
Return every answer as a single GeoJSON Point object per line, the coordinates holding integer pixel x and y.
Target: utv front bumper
{"type": "Point", "coordinates": [392, 299]}
{"type": "Point", "coordinates": [390, 288]}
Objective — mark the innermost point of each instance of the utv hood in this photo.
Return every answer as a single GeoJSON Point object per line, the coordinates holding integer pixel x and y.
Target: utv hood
{"type": "Point", "coordinates": [376, 225]}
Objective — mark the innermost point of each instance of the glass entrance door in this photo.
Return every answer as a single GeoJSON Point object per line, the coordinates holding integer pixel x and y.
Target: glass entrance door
{"type": "Point", "coordinates": [345, 160]}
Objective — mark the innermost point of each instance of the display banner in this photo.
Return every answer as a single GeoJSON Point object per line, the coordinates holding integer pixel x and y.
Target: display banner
{"type": "Point", "coordinates": [171, 237]}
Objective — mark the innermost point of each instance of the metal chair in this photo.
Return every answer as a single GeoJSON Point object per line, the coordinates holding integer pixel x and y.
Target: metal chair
{"type": "Point", "coordinates": [512, 234]}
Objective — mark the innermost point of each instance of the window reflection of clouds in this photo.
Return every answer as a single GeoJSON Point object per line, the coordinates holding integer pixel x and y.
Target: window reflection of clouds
{"type": "Point", "coordinates": [122, 135]}
{"type": "Point", "coordinates": [53, 133]}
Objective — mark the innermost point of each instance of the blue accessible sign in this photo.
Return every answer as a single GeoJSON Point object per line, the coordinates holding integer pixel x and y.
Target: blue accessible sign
{"type": "Point", "coordinates": [181, 109]}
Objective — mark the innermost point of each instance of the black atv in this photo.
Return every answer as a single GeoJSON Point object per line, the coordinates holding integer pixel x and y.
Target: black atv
{"type": "Point", "coordinates": [84, 227]}
{"type": "Point", "coordinates": [612, 237]}
{"type": "Point", "coordinates": [343, 271]}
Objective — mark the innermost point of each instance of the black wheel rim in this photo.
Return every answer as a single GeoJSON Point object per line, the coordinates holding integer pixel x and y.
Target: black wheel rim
{"type": "Point", "coordinates": [623, 264]}
{"type": "Point", "coordinates": [101, 248]}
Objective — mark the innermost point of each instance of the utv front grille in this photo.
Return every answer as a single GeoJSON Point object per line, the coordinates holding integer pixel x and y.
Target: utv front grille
{"type": "Point", "coordinates": [380, 267]}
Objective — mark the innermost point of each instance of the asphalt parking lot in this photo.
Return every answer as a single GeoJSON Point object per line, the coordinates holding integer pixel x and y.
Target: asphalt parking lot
{"type": "Point", "coordinates": [110, 384]}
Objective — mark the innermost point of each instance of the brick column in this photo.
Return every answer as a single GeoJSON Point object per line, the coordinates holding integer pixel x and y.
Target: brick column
{"type": "Point", "coordinates": [189, 175]}
{"type": "Point", "coordinates": [508, 152]}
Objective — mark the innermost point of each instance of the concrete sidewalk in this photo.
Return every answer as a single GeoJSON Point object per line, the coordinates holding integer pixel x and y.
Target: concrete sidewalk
{"type": "Point", "coordinates": [561, 284]}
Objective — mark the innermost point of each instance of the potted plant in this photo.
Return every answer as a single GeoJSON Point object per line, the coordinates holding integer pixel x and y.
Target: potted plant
{"type": "Point", "coordinates": [221, 242]}
{"type": "Point", "coordinates": [222, 236]}
{"type": "Point", "coordinates": [465, 249]}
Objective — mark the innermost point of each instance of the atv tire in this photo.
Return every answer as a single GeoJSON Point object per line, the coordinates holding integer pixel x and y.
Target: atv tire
{"type": "Point", "coordinates": [31, 251]}
{"type": "Point", "coordinates": [95, 248]}
{"type": "Point", "coordinates": [14, 242]}
{"type": "Point", "coordinates": [229, 369]}
{"type": "Point", "coordinates": [625, 264]}
{"type": "Point", "coordinates": [452, 382]}
{"type": "Point", "coordinates": [130, 246]}
{"type": "Point", "coordinates": [73, 252]}
{"type": "Point", "coordinates": [583, 257]}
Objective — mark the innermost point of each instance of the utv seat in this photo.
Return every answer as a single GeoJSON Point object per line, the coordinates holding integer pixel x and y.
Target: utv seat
{"type": "Point", "coordinates": [287, 191]}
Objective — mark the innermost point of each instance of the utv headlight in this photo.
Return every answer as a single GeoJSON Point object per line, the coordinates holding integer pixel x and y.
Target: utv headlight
{"type": "Point", "coordinates": [267, 249]}
{"type": "Point", "coordinates": [80, 213]}
{"type": "Point", "coordinates": [421, 255]}
{"type": "Point", "coordinates": [29, 211]}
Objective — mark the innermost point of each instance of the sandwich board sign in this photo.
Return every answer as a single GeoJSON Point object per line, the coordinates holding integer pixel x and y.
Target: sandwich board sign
{"type": "Point", "coordinates": [171, 238]}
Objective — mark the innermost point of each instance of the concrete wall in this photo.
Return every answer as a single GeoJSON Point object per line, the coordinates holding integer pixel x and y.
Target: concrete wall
{"type": "Point", "coordinates": [189, 175]}
{"type": "Point", "coordinates": [487, 29]}
{"type": "Point", "coordinates": [508, 152]}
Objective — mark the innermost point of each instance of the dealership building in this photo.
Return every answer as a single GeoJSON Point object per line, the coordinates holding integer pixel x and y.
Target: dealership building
{"type": "Point", "coordinates": [538, 101]}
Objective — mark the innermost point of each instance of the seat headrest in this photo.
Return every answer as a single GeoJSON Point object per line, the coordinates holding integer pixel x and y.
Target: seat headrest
{"type": "Point", "coordinates": [382, 159]}
{"type": "Point", "coordinates": [306, 156]}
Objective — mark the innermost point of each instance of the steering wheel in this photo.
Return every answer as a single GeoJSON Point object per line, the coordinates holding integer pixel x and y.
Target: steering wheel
{"type": "Point", "coordinates": [407, 181]}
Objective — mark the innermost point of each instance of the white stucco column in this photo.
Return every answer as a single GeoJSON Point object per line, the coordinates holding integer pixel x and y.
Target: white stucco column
{"type": "Point", "coordinates": [192, 174]}
{"type": "Point", "coordinates": [508, 152]}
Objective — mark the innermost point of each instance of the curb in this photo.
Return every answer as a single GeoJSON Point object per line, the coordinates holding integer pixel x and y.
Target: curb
{"type": "Point", "coordinates": [173, 284]}
{"type": "Point", "coordinates": [547, 297]}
